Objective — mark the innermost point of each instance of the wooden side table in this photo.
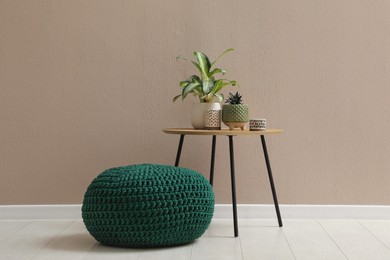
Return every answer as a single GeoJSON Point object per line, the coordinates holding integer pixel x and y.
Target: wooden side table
{"type": "Point", "coordinates": [230, 134]}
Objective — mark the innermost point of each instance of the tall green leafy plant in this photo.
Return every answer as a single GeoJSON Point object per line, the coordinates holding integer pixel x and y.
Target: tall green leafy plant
{"type": "Point", "coordinates": [206, 86]}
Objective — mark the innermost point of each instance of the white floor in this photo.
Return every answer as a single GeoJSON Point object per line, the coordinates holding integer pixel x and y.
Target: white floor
{"type": "Point", "coordinates": [259, 239]}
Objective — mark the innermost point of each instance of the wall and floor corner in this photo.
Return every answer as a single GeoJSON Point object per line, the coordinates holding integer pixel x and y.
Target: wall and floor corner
{"type": "Point", "coordinates": [86, 86]}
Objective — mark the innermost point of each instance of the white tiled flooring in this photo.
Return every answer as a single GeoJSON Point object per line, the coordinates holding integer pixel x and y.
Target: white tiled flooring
{"type": "Point", "coordinates": [259, 239]}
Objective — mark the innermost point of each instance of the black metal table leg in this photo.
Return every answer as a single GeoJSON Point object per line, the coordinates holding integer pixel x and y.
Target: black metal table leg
{"type": "Point", "coordinates": [212, 159]}
{"type": "Point", "coordinates": [231, 148]}
{"type": "Point", "coordinates": [271, 180]}
{"type": "Point", "coordinates": [179, 150]}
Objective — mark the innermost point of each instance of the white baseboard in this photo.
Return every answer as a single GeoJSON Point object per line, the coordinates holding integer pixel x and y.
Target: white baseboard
{"type": "Point", "coordinates": [222, 211]}
{"type": "Point", "coordinates": [258, 211]}
{"type": "Point", "coordinates": [12, 212]}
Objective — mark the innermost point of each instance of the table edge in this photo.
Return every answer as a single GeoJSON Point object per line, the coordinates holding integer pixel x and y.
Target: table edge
{"type": "Point", "coordinates": [227, 132]}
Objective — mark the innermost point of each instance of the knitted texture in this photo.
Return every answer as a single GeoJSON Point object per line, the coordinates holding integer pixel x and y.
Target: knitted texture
{"type": "Point", "coordinates": [235, 113]}
{"type": "Point", "coordinates": [148, 205]}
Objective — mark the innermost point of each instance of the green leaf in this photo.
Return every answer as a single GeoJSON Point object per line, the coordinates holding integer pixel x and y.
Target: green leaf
{"type": "Point", "coordinates": [217, 86]}
{"type": "Point", "coordinates": [194, 78]}
{"type": "Point", "coordinates": [228, 50]}
{"type": "Point", "coordinates": [219, 97]}
{"type": "Point", "coordinates": [221, 83]}
{"type": "Point", "coordinates": [184, 83]}
{"type": "Point", "coordinates": [175, 98]}
{"type": "Point", "coordinates": [197, 92]}
{"type": "Point", "coordinates": [216, 71]}
{"type": "Point", "coordinates": [204, 64]}
{"type": "Point", "coordinates": [189, 88]}
{"type": "Point", "coordinates": [207, 86]}
{"type": "Point", "coordinates": [181, 57]}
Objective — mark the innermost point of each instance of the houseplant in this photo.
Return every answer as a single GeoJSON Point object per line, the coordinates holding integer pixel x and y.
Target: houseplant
{"type": "Point", "coordinates": [235, 113]}
{"type": "Point", "coordinates": [205, 86]}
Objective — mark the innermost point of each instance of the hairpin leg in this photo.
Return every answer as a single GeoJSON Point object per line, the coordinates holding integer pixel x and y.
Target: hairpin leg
{"type": "Point", "coordinates": [212, 159]}
{"type": "Point", "coordinates": [179, 150]}
{"type": "Point", "coordinates": [271, 180]}
{"type": "Point", "coordinates": [231, 148]}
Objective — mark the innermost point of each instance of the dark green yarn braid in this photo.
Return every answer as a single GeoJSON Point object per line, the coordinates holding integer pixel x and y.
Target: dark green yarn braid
{"type": "Point", "coordinates": [148, 205]}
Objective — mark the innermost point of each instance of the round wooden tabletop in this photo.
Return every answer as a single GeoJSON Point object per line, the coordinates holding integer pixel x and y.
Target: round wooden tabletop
{"type": "Point", "coordinates": [191, 131]}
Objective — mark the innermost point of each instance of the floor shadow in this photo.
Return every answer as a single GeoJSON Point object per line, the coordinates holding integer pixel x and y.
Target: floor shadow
{"type": "Point", "coordinates": [86, 243]}
{"type": "Point", "coordinates": [71, 242]}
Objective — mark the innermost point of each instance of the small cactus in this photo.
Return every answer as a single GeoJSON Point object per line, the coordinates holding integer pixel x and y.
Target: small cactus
{"type": "Point", "coordinates": [234, 99]}
{"type": "Point", "coordinates": [234, 112]}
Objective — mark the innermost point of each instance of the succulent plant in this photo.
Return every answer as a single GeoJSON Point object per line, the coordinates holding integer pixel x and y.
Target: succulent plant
{"type": "Point", "coordinates": [234, 99]}
{"type": "Point", "coordinates": [206, 86]}
{"type": "Point", "coordinates": [234, 112]}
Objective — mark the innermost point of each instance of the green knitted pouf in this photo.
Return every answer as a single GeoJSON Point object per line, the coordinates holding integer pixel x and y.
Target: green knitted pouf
{"type": "Point", "coordinates": [148, 205]}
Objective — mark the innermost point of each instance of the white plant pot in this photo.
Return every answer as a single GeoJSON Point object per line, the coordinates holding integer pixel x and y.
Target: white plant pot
{"type": "Point", "coordinates": [198, 111]}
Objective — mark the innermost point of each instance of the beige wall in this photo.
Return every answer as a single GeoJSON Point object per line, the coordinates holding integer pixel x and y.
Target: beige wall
{"type": "Point", "coordinates": [87, 85]}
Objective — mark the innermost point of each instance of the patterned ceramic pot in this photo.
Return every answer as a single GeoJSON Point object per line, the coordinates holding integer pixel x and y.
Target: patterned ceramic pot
{"type": "Point", "coordinates": [235, 115]}
{"type": "Point", "coordinates": [212, 119]}
{"type": "Point", "coordinates": [198, 112]}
